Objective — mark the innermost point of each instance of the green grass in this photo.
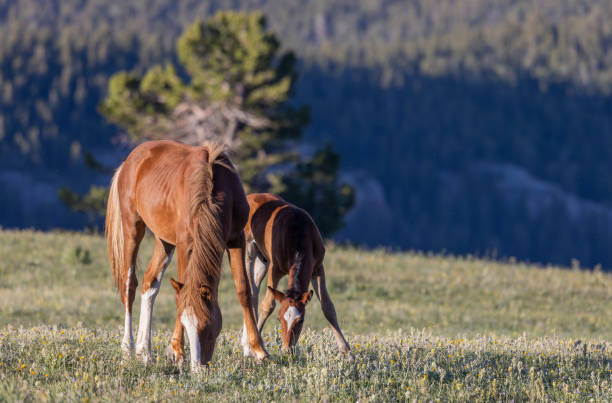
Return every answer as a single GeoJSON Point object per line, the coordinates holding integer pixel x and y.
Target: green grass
{"type": "Point", "coordinates": [422, 327]}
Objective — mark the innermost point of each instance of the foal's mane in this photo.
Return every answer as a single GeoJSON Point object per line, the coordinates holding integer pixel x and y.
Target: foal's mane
{"type": "Point", "coordinates": [208, 245]}
{"type": "Point", "coordinates": [300, 231]}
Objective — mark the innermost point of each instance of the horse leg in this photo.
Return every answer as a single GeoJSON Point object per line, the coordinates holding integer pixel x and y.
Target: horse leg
{"type": "Point", "coordinates": [256, 271]}
{"type": "Point", "coordinates": [132, 237]}
{"type": "Point", "coordinates": [268, 303]}
{"type": "Point", "coordinates": [162, 254]}
{"type": "Point", "coordinates": [327, 306]}
{"type": "Point", "coordinates": [236, 249]}
{"type": "Point", "coordinates": [174, 351]}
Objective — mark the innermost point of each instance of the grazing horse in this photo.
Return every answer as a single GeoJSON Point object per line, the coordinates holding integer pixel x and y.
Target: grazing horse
{"type": "Point", "coordinates": [192, 200]}
{"type": "Point", "coordinates": [286, 238]}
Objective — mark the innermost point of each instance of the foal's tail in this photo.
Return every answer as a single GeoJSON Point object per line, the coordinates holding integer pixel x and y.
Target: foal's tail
{"type": "Point", "coordinates": [208, 241]}
{"type": "Point", "coordinates": [114, 231]}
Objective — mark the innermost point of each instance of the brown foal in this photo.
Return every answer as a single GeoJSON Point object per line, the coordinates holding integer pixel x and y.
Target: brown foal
{"type": "Point", "coordinates": [286, 239]}
{"type": "Point", "coordinates": [192, 200]}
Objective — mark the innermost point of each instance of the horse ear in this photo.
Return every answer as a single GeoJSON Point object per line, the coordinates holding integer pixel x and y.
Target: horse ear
{"type": "Point", "coordinates": [204, 292]}
{"type": "Point", "coordinates": [279, 296]}
{"type": "Point", "coordinates": [176, 285]}
{"type": "Point", "coordinates": [306, 297]}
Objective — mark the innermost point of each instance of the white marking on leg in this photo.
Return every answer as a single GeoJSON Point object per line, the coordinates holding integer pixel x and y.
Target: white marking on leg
{"type": "Point", "coordinates": [252, 250]}
{"type": "Point", "coordinates": [244, 340]}
{"type": "Point", "coordinates": [128, 339]}
{"type": "Point", "coordinates": [291, 315]}
{"type": "Point", "coordinates": [143, 343]}
{"type": "Point", "coordinates": [190, 322]}
{"type": "Point", "coordinates": [259, 271]}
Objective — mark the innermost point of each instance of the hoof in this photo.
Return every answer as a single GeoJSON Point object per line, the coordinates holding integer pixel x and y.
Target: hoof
{"type": "Point", "coordinates": [349, 356]}
{"type": "Point", "coordinates": [173, 356]}
{"type": "Point", "coordinates": [259, 352]}
{"type": "Point", "coordinates": [197, 370]}
{"type": "Point", "coordinates": [244, 341]}
{"type": "Point", "coordinates": [143, 355]}
{"type": "Point", "coordinates": [290, 351]}
{"type": "Point", "coordinates": [246, 350]}
{"type": "Point", "coordinates": [262, 357]}
{"type": "Point", "coordinates": [127, 349]}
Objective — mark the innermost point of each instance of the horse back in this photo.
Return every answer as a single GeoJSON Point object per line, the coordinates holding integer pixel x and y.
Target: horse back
{"type": "Point", "coordinates": [157, 176]}
{"type": "Point", "coordinates": [281, 230]}
{"type": "Point", "coordinates": [230, 197]}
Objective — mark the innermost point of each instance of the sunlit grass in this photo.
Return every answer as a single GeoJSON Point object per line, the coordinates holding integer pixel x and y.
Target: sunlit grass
{"type": "Point", "coordinates": [50, 363]}
{"type": "Point", "coordinates": [424, 327]}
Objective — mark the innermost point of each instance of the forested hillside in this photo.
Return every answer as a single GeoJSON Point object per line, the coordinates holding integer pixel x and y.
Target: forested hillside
{"type": "Point", "coordinates": [486, 125]}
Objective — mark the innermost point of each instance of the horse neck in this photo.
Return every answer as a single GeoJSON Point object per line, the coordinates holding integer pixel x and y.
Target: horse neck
{"type": "Point", "coordinates": [208, 281]}
{"type": "Point", "coordinates": [300, 274]}
{"type": "Point", "coordinates": [197, 280]}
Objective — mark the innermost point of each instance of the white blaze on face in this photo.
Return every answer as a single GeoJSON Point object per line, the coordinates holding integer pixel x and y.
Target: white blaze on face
{"type": "Point", "coordinates": [291, 315]}
{"type": "Point", "coordinates": [190, 322]}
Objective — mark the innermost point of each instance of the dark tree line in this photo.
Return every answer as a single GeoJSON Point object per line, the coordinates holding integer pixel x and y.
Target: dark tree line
{"type": "Point", "coordinates": [407, 91]}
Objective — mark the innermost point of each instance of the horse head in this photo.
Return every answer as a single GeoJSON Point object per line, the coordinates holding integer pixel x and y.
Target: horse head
{"type": "Point", "coordinates": [200, 318]}
{"type": "Point", "coordinates": [291, 314]}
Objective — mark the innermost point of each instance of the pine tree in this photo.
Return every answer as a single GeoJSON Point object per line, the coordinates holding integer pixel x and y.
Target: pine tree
{"type": "Point", "coordinates": [238, 91]}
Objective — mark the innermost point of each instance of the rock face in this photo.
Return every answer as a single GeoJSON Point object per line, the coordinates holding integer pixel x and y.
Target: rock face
{"type": "Point", "coordinates": [370, 222]}
{"type": "Point", "coordinates": [517, 184]}
{"type": "Point", "coordinates": [510, 213]}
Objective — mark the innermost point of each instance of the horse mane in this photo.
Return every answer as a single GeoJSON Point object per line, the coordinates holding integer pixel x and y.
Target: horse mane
{"type": "Point", "coordinates": [299, 228]}
{"type": "Point", "coordinates": [208, 244]}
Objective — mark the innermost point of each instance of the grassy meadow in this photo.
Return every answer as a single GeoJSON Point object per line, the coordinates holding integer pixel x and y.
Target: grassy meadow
{"type": "Point", "coordinates": [421, 327]}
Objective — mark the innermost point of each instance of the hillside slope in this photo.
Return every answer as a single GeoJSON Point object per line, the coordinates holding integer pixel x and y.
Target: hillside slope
{"type": "Point", "coordinates": [44, 281]}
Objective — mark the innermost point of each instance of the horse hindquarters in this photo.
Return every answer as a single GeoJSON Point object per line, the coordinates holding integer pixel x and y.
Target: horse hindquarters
{"type": "Point", "coordinates": [124, 232]}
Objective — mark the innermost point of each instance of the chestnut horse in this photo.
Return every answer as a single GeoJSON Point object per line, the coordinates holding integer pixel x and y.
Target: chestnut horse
{"type": "Point", "coordinates": [192, 200]}
{"type": "Point", "coordinates": [286, 238]}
